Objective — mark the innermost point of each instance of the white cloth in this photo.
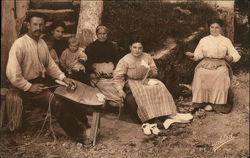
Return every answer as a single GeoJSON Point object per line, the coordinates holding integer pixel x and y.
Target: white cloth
{"type": "Point", "coordinates": [28, 59]}
{"type": "Point", "coordinates": [152, 82]}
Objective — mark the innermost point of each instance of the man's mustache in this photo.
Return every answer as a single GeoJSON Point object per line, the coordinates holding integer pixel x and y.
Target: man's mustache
{"type": "Point", "coordinates": [37, 31]}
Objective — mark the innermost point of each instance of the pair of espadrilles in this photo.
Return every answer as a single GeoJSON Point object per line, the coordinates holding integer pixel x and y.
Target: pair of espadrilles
{"type": "Point", "coordinates": [149, 129]}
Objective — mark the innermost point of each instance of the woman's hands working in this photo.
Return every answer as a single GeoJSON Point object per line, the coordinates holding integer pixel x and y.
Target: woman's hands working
{"type": "Point", "coordinates": [121, 93]}
{"type": "Point", "coordinates": [229, 58]}
{"type": "Point", "coordinates": [190, 55]}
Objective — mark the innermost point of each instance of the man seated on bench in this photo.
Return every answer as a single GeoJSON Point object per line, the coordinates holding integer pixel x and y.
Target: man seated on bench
{"type": "Point", "coordinates": [28, 69]}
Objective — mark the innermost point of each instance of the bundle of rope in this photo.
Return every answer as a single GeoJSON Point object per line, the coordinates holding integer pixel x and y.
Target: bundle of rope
{"type": "Point", "coordinates": [14, 109]}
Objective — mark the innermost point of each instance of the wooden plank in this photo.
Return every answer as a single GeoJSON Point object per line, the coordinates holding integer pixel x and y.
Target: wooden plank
{"type": "Point", "coordinates": [49, 4]}
{"type": "Point", "coordinates": [45, 11]}
{"type": "Point", "coordinates": [57, 15]}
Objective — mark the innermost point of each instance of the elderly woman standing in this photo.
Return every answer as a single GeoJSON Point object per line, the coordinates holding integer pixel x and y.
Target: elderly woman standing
{"type": "Point", "coordinates": [136, 70]}
{"type": "Point", "coordinates": [213, 74]}
{"type": "Point", "coordinates": [102, 58]}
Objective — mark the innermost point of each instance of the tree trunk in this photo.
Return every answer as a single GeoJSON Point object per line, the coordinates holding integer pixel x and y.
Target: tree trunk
{"type": "Point", "coordinates": [9, 34]}
{"type": "Point", "coordinates": [13, 14]}
{"type": "Point", "coordinates": [89, 19]}
{"type": "Point", "coordinates": [21, 9]}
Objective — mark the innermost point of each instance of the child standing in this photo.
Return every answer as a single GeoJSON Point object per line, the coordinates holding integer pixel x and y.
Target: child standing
{"type": "Point", "coordinates": [72, 60]}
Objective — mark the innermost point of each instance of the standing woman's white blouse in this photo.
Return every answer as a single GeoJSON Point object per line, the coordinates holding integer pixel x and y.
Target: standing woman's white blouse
{"type": "Point", "coordinates": [215, 47]}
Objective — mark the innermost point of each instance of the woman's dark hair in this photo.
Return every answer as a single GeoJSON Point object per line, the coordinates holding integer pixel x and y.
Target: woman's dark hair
{"type": "Point", "coordinates": [135, 40]}
{"type": "Point", "coordinates": [56, 24]}
{"type": "Point", "coordinates": [215, 20]}
{"type": "Point", "coordinates": [40, 15]}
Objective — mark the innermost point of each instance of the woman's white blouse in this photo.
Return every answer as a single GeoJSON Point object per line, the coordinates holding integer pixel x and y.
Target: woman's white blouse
{"type": "Point", "coordinates": [215, 47]}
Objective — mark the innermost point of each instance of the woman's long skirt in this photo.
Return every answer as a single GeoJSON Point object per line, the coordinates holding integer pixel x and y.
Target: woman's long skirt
{"type": "Point", "coordinates": [152, 100]}
{"type": "Point", "coordinates": [211, 82]}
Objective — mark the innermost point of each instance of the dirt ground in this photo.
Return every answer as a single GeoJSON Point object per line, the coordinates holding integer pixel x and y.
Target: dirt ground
{"type": "Point", "coordinates": [208, 135]}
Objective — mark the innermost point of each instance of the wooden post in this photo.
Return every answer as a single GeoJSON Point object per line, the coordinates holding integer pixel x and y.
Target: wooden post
{"type": "Point", "coordinates": [89, 19]}
{"type": "Point", "coordinates": [21, 9]}
{"type": "Point", "coordinates": [13, 14]}
{"type": "Point", "coordinates": [9, 33]}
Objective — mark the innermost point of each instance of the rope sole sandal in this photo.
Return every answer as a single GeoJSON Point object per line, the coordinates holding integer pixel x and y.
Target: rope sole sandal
{"type": "Point", "coordinates": [182, 118]}
{"type": "Point", "coordinates": [155, 130]}
{"type": "Point", "coordinates": [167, 123]}
{"type": "Point", "coordinates": [146, 128]}
{"type": "Point", "coordinates": [208, 108]}
{"type": "Point", "coordinates": [178, 118]}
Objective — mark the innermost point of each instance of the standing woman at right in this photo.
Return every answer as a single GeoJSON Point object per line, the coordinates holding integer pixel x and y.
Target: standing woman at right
{"type": "Point", "coordinates": [213, 75]}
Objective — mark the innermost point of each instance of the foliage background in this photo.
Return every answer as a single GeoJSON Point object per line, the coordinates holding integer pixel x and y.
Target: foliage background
{"type": "Point", "coordinates": [153, 21]}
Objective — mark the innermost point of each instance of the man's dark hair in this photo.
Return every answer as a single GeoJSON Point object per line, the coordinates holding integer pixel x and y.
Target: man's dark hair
{"type": "Point", "coordinates": [40, 15]}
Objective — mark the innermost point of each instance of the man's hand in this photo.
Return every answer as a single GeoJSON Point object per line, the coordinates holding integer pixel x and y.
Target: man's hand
{"type": "Point", "coordinates": [70, 83]}
{"type": "Point", "coordinates": [121, 93]}
{"type": "Point", "coordinates": [229, 58]}
{"type": "Point", "coordinates": [36, 88]}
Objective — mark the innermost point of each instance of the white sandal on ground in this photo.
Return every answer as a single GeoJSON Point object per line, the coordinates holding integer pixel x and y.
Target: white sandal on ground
{"type": "Point", "coordinates": [146, 128]}
{"type": "Point", "coordinates": [155, 130]}
{"type": "Point", "coordinates": [180, 118]}
{"type": "Point", "coordinates": [167, 123]}
{"type": "Point", "coordinates": [183, 118]}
